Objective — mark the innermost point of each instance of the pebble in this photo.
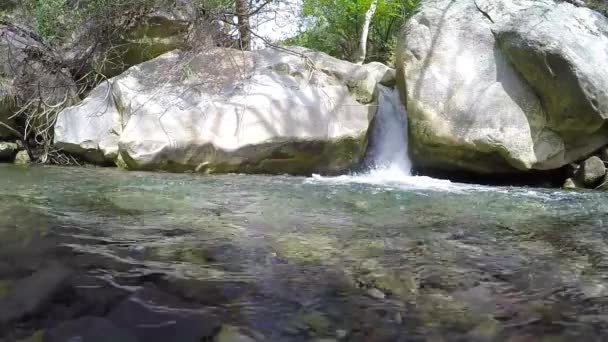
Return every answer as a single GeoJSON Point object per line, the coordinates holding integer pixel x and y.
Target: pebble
{"type": "Point", "coordinates": [398, 318]}
{"type": "Point", "coordinates": [341, 333]}
{"type": "Point", "coordinates": [375, 293]}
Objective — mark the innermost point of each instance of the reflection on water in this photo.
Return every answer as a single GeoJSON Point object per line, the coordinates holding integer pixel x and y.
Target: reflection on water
{"type": "Point", "coordinates": [293, 259]}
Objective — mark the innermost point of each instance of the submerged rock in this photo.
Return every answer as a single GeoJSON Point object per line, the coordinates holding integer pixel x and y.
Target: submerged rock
{"type": "Point", "coordinates": [229, 333]}
{"type": "Point", "coordinates": [229, 111]}
{"type": "Point", "coordinates": [88, 329]}
{"type": "Point", "coordinates": [497, 86]}
{"type": "Point", "coordinates": [375, 293]}
{"type": "Point", "coordinates": [591, 172]}
{"type": "Point", "coordinates": [29, 295]}
{"type": "Point", "coordinates": [153, 316]}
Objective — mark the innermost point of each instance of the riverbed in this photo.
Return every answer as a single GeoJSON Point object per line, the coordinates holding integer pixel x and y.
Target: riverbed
{"type": "Point", "coordinates": [281, 258]}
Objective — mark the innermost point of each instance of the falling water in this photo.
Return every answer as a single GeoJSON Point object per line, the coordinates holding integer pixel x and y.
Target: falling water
{"type": "Point", "coordinates": [386, 161]}
{"type": "Point", "coordinates": [387, 154]}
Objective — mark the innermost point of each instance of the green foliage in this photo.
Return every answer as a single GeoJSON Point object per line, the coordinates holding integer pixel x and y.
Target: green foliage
{"type": "Point", "coordinates": [49, 16]}
{"type": "Point", "coordinates": [334, 27]}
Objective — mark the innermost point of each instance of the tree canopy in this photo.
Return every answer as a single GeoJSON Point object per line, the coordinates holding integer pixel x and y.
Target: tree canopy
{"type": "Point", "coordinates": [334, 27]}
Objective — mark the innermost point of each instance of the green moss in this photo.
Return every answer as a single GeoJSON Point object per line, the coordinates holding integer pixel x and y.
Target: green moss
{"type": "Point", "coordinates": [312, 320]}
{"type": "Point", "coordinates": [315, 249]}
{"type": "Point", "coordinates": [5, 288]}
{"type": "Point", "coordinates": [430, 149]}
{"type": "Point", "coordinates": [37, 337]}
{"type": "Point", "coordinates": [294, 158]}
{"type": "Point", "coordinates": [229, 333]}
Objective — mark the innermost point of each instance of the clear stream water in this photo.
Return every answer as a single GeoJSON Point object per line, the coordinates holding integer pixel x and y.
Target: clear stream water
{"type": "Point", "coordinates": [295, 259]}
{"type": "Point", "coordinates": [381, 256]}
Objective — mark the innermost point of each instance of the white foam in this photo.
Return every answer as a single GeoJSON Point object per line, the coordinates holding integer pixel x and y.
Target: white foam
{"type": "Point", "coordinates": [388, 159]}
{"type": "Point", "coordinates": [392, 177]}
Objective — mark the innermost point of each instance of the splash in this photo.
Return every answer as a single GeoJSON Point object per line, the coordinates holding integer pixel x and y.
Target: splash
{"type": "Point", "coordinates": [388, 140]}
{"type": "Point", "coordinates": [386, 161]}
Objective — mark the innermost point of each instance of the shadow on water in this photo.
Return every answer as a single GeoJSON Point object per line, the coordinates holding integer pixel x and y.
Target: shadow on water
{"type": "Point", "coordinates": [146, 257]}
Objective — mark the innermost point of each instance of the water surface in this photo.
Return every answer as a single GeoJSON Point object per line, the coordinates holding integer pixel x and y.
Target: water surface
{"type": "Point", "coordinates": [296, 259]}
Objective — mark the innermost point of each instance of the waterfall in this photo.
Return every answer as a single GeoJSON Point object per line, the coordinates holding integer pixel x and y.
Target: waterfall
{"type": "Point", "coordinates": [386, 161]}
{"type": "Point", "coordinates": [387, 152]}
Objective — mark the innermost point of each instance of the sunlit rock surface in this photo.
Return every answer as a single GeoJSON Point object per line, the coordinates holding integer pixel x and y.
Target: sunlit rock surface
{"type": "Point", "coordinates": [224, 110]}
{"type": "Point", "coordinates": [504, 86]}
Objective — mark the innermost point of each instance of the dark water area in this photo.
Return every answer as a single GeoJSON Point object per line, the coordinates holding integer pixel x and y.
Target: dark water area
{"type": "Point", "coordinates": [162, 257]}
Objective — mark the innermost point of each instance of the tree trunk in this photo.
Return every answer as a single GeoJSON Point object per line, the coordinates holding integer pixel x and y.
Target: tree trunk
{"type": "Point", "coordinates": [365, 32]}
{"type": "Point", "coordinates": [242, 14]}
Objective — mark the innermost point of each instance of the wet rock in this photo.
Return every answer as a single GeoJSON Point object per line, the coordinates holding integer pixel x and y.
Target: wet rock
{"type": "Point", "coordinates": [341, 333]}
{"type": "Point", "coordinates": [5, 288]}
{"type": "Point", "coordinates": [22, 158]}
{"type": "Point", "coordinates": [208, 293]}
{"type": "Point", "coordinates": [89, 329]}
{"type": "Point", "coordinates": [604, 184]}
{"type": "Point", "coordinates": [376, 294]}
{"type": "Point", "coordinates": [486, 329]}
{"type": "Point", "coordinates": [30, 295]}
{"type": "Point", "coordinates": [604, 153]}
{"type": "Point", "coordinates": [402, 284]}
{"type": "Point", "coordinates": [230, 333]}
{"type": "Point", "coordinates": [96, 296]}
{"type": "Point", "coordinates": [570, 183]}
{"type": "Point", "coordinates": [314, 321]}
{"type": "Point", "coordinates": [398, 318]}
{"type": "Point", "coordinates": [8, 151]}
{"type": "Point", "coordinates": [153, 316]}
{"type": "Point", "coordinates": [36, 337]}
{"type": "Point", "coordinates": [591, 172]}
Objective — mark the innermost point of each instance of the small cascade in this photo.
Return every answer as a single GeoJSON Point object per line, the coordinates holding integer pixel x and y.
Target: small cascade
{"type": "Point", "coordinates": [386, 161]}
{"type": "Point", "coordinates": [387, 152]}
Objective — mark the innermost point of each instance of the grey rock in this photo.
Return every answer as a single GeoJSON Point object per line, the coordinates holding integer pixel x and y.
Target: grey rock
{"type": "Point", "coordinates": [480, 96]}
{"type": "Point", "coordinates": [153, 316]}
{"type": "Point", "coordinates": [254, 112]}
{"type": "Point", "coordinates": [549, 47]}
{"type": "Point", "coordinates": [30, 295]}
{"type": "Point", "coordinates": [88, 329]}
{"type": "Point", "coordinates": [376, 294]}
{"type": "Point", "coordinates": [591, 172]}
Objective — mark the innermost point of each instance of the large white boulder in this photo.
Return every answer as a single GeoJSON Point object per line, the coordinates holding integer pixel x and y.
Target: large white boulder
{"type": "Point", "coordinates": [503, 86]}
{"type": "Point", "coordinates": [224, 110]}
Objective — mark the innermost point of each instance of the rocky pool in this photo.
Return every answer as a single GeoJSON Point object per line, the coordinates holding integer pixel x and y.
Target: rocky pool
{"type": "Point", "coordinates": [163, 257]}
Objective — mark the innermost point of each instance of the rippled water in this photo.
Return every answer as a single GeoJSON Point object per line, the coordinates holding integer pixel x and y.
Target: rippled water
{"type": "Point", "coordinates": [295, 259]}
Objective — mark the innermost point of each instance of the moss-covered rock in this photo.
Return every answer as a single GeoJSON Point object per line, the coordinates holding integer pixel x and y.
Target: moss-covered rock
{"type": "Point", "coordinates": [230, 333]}
{"type": "Point", "coordinates": [22, 158]}
{"type": "Point", "coordinates": [5, 288]}
{"type": "Point", "coordinates": [571, 184]}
